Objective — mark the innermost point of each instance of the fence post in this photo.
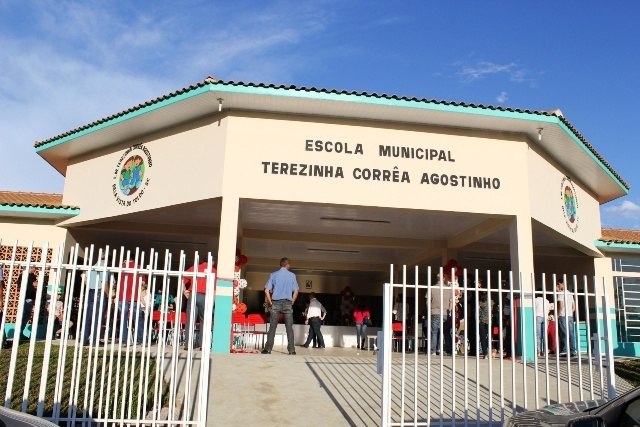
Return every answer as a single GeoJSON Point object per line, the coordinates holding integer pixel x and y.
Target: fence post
{"type": "Point", "coordinates": [386, 356]}
{"type": "Point", "coordinates": [611, 376]}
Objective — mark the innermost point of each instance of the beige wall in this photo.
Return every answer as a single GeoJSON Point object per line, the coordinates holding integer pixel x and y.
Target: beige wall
{"type": "Point", "coordinates": [547, 202]}
{"type": "Point", "coordinates": [254, 140]}
{"type": "Point", "coordinates": [186, 165]}
{"type": "Point", "coordinates": [25, 231]}
{"type": "Point", "coordinates": [322, 284]}
{"type": "Point", "coordinates": [570, 266]}
{"type": "Point", "coordinates": [235, 157]}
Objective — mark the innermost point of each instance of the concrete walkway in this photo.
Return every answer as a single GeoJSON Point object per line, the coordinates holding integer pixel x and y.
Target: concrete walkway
{"type": "Point", "coordinates": [340, 387]}
{"type": "Point", "coordinates": [283, 390]}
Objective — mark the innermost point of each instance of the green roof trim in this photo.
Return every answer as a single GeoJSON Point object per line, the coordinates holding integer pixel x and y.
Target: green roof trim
{"type": "Point", "coordinates": [122, 118]}
{"type": "Point", "coordinates": [602, 165]}
{"type": "Point", "coordinates": [616, 245]}
{"type": "Point", "coordinates": [385, 101]}
{"type": "Point", "coordinates": [221, 87]}
{"type": "Point", "coordinates": [39, 210]}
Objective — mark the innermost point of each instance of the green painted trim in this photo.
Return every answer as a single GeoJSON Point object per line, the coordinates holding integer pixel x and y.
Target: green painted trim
{"type": "Point", "coordinates": [40, 210]}
{"type": "Point", "coordinates": [627, 349]}
{"type": "Point", "coordinates": [10, 328]}
{"type": "Point", "coordinates": [363, 99]}
{"type": "Point", "coordinates": [222, 88]}
{"type": "Point", "coordinates": [222, 318]}
{"type": "Point", "coordinates": [125, 117]}
{"type": "Point", "coordinates": [527, 332]}
{"type": "Point", "coordinates": [612, 245]}
{"type": "Point", "coordinates": [590, 154]}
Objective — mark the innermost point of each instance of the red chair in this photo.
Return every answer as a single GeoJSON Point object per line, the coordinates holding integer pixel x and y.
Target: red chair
{"type": "Point", "coordinates": [182, 327]}
{"type": "Point", "coordinates": [397, 335]}
{"type": "Point", "coordinates": [253, 320]}
{"type": "Point", "coordinates": [551, 336]}
{"type": "Point", "coordinates": [156, 317]}
{"type": "Point", "coordinates": [239, 331]}
{"type": "Point", "coordinates": [172, 326]}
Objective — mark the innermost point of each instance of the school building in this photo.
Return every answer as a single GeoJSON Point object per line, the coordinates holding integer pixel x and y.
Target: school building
{"type": "Point", "coordinates": [343, 183]}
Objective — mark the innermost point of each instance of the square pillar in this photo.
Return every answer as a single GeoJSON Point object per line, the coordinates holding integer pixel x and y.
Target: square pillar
{"type": "Point", "coordinates": [603, 278]}
{"type": "Point", "coordinates": [226, 262]}
{"type": "Point", "coordinates": [521, 248]}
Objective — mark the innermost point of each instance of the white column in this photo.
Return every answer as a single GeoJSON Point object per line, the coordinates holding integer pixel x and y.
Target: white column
{"type": "Point", "coordinates": [521, 248]}
{"type": "Point", "coordinates": [225, 270]}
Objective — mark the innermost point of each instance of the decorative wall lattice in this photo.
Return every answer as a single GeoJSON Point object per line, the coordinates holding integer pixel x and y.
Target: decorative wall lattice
{"type": "Point", "coordinates": [7, 258]}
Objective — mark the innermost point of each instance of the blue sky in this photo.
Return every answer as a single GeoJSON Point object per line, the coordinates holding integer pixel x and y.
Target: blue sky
{"type": "Point", "coordinates": [64, 64]}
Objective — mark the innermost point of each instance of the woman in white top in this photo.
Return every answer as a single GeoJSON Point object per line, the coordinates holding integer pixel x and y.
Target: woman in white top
{"type": "Point", "coordinates": [542, 307]}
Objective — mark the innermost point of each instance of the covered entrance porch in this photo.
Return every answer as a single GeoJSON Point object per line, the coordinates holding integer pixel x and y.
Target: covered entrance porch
{"type": "Point", "coordinates": [338, 252]}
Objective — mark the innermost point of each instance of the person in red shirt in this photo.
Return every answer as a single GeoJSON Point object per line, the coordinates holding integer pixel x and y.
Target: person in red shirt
{"type": "Point", "coordinates": [131, 318]}
{"type": "Point", "coordinates": [197, 298]}
{"type": "Point", "coordinates": [362, 319]}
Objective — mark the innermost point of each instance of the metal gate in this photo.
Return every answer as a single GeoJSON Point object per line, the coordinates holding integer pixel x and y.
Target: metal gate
{"type": "Point", "coordinates": [99, 337]}
{"type": "Point", "coordinates": [434, 368]}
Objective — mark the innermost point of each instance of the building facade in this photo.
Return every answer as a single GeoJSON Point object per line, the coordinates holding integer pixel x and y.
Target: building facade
{"type": "Point", "coordinates": [345, 184]}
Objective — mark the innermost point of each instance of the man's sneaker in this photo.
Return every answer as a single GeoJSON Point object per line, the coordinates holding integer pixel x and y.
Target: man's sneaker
{"type": "Point", "coordinates": [574, 354]}
{"type": "Point", "coordinates": [563, 354]}
{"type": "Point", "coordinates": [265, 351]}
{"type": "Point", "coordinates": [434, 354]}
{"type": "Point", "coordinates": [292, 353]}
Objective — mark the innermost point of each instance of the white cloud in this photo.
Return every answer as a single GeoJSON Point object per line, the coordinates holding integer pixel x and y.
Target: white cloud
{"type": "Point", "coordinates": [79, 62]}
{"type": "Point", "coordinates": [483, 69]}
{"type": "Point", "coordinates": [626, 209]}
{"type": "Point", "coordinates": [502, 97]}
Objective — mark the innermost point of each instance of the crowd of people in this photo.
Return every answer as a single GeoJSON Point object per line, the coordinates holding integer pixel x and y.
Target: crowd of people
{"type": "Point", "coordinates": [99, 297]}
{"type": "Point", "coordinates": [490, 317]}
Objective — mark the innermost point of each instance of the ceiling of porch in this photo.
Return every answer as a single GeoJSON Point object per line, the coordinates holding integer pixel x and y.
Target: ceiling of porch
{"type": "Point", "coordinates": [324, 239]}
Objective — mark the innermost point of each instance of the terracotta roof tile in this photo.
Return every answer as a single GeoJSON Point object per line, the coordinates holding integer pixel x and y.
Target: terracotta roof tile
{"type": "Point", "coordinates": [39, 200]}
{"type": "Point", "coordinates": [212, 81]}
{"type": "Point", "coordinates": [617, 235]}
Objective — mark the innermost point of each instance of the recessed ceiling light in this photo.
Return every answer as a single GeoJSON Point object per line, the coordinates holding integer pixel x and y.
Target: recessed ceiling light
{"type": "Point", "coordinates": [333, 218]}
{"type": "Point", "coordinates": [339, 251]}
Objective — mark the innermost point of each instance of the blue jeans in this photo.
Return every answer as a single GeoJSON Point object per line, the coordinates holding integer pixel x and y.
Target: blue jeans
{"type": "Point", "coordinates": [565, 322]}
{"type": "Point", "coordinates": [93, 321]}
{"type": "Point", "coordinates": [361, 334]}
{"type": "Point", "coordinates": [198, 315]}
{"type": "Point", "coordinates": [315, 335]}
{"type": "Point", "coordinates": [26, 314]}
{"type": "Point", "coordinates": [540, 334]}
{"type": "Point", "coordinates": [435, 333]}
{"type": "Point", "coordinates": [130, 308]}
{"type": "Point", "coordinates": [285, 307]}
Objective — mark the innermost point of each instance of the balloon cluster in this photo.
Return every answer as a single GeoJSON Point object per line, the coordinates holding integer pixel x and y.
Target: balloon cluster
{"type": "Point", "coordinates": [451, 267]}
{"type": "Point", "coordinates": [238, 283]}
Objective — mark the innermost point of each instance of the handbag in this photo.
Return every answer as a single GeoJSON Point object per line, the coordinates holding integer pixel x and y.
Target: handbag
{"type": "Point", "coordinates": [366, 321]}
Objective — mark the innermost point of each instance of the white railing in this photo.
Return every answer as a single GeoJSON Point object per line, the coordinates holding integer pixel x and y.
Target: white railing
{"type": "Point", "coordinates": [443, 382]}
{"type": "Point", "coordinates": [76, 365]}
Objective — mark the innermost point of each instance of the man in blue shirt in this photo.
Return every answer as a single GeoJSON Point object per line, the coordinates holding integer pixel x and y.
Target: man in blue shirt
{"type": "Point", "coordinates": [281, 291]}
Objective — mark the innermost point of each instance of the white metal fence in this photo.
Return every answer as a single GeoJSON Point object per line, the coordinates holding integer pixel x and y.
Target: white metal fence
{"type": "Point", "coordinates": [448, 380]}
{"type": "Point", "coordinates": [73, 365]}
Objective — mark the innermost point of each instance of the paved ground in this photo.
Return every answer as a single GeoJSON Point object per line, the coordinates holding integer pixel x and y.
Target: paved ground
{"type": "Point", "coordinates": [280, 390]}
{"type": "Point", "coordinates": [340, 387]}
